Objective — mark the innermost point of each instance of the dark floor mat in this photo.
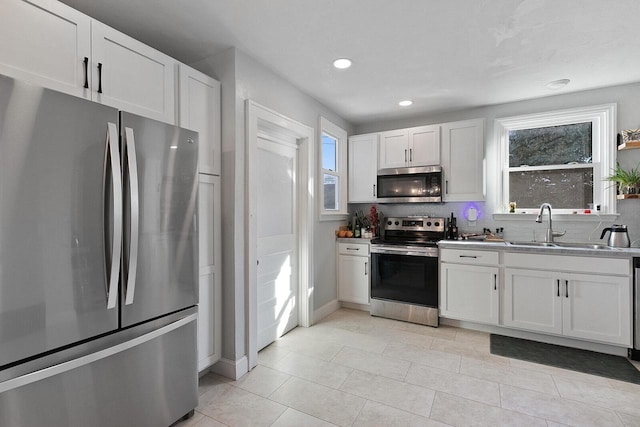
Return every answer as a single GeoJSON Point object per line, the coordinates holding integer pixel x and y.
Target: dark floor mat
{"type": "Point", "coordinates": [589, 362]}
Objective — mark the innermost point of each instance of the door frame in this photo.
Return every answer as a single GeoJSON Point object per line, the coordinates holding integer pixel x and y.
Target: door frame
{"type": "Point", "coordinates": [261, 119]}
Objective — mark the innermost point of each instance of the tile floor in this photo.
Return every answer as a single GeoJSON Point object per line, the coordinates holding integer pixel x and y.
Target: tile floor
{"type": "Point", "coordinates": [352, 369]}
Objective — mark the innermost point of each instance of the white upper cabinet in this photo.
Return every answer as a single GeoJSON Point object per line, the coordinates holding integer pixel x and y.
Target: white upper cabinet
{"type": "Point", "coordinates": [463, 160]}
{"type": "Point", "coordinates": [46, 43]}
{"type": "Point", "coordinates": [200, 111]}
{"type": "Point", "coordinates": [424, 145]}
{"type": "Point", "coordinates": [132, 76]}
{"type": "Point", "coordinates": [50, 44]}
{"type": "Point", "coordinates": [394, 149]}
{"type": "Point", "coordinates": [363, 165]}
{"type": "Point", "coordinates": [418, 146]}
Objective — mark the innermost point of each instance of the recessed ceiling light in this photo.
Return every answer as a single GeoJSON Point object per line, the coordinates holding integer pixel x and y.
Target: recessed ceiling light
{"type": "Point", "coordinates": [405, 103]}
{"type": "Point", "coordinates": [557, 84]}
{"type": "Point", "coordinates": [342, 63]}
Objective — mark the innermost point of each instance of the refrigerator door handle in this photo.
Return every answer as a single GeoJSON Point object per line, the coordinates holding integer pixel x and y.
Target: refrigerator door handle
{"type": "Point", "coordinates": [132, 164]}
{"type": "Point", "coordinates": [116, 244]}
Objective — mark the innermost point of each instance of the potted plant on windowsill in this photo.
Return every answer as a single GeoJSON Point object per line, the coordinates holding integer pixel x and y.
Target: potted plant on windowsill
{"type": "Point", "coordinates": [628, 181]}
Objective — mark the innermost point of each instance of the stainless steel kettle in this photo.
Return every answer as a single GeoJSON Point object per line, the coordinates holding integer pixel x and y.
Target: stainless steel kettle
{"type": "Point", "coordinates": [618, 237]}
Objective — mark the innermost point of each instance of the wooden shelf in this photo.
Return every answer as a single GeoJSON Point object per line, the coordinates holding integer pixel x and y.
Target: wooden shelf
{"type": "Point", "coordinates": [628, 196]}
{"type": "Point", "coordinates": [631, 145]}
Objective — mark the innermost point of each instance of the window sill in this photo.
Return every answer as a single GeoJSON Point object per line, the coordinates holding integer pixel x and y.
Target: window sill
{"type": "Point", "coordinates": [333, 217]}
{"type": "Point", "coordinates": [556, 217]}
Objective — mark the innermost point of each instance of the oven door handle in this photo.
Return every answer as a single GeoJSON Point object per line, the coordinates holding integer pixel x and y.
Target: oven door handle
{"type": "Point", "coordinates": [428, 253]}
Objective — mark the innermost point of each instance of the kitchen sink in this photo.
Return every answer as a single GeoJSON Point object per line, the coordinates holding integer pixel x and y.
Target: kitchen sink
{"type": "Point", "coordinates": [562, 245]}
{"type": "Point", "coordinates": [538, 244]}
{"type": "Point", "coordinates": [582, 245]}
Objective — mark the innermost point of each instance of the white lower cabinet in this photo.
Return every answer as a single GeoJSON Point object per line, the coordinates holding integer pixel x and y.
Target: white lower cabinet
{"type": "Point", "coordinates": [353, 272]}
{"type": "Point", "coordinates": [597, 307]}
{"type": "Point", "coordinates": [531, 300]}
{"type": "Point", "coordinates": [469, 293]}
{"type": "Point", "coordinates": [594, 307]}
{"type": "Point", "coordinates": [583, 297]}
{"type": "Point", "coordinates": [469, 290]}
{"type": "Point", "coordinates": [210, 285]}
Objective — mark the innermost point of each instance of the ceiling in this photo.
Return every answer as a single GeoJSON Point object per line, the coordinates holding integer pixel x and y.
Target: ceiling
{"type": "Point", "coordinates": [443, 55]}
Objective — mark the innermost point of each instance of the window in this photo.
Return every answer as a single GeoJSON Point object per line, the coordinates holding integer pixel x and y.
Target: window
{"type": "Point", "coordinates": [560, 157]}
{"type": "Point", "coordinates": [333, 169]}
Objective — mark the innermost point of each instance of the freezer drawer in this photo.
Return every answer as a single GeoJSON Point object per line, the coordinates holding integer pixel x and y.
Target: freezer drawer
{"type": "Point", "coordinates": [150, 380]}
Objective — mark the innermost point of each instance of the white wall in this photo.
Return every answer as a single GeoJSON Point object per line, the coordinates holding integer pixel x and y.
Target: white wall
{"type": "Point", "coordinates": [627, 98]}
{"type": "Point", "coordinates": [244, 78]}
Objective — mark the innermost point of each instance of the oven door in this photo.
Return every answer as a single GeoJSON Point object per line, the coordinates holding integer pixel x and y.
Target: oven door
{"type": "Point", "coordinates": [405, 276]}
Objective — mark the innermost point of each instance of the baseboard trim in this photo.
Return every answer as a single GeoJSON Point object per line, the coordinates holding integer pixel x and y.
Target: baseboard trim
{"type": "Point", "coordinates": [549, 339]}
{"type": "Point", "coordinates": [325, 310]}
{"type": "Point", "coordinates": [355, 306]}
{"type": "Point", "coordinates": [233, 369]}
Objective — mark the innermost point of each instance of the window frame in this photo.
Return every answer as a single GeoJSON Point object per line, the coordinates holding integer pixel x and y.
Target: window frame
{"type": "Point", "coordinates": [340, 135]}
{"type": "Point", "coordinates": [603, 121]}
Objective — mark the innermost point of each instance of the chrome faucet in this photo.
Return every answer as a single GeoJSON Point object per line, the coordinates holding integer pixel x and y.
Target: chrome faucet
{"type": "Point", "coordinates": [550, 233]}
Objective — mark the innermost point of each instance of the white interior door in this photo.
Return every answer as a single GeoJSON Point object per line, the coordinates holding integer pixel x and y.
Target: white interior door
{"type": "Point", "coordinates": [277, 251]}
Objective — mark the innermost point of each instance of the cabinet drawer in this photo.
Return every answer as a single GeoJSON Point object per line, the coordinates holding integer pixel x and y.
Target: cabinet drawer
{"type": "Point", "coordinates": [361, 249]}
{"type": "Point", "coordinates": [470, 256]}
{"type": "Point", "coordinates": [579, 264]}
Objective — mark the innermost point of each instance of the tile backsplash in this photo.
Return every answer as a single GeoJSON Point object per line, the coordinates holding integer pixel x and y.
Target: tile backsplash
{"type": "Point", "coordinates": [520, 229]}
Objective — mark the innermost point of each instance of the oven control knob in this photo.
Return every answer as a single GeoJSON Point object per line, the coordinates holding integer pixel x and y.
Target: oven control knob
{"type": "Point", "coordinates": [389, 223]}
{"type": "Point", "coordinates": [397, 223]}
{"type": "Point", "coordinates": [428, 223]}
{"type": "Point", "coordinates": [437, 224]}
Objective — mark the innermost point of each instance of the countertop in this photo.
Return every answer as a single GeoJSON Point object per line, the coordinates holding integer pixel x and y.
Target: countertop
{"type": "Point", "coordinates": [515, 247]}
{"type": "Point", "coordinates": [555, 250]}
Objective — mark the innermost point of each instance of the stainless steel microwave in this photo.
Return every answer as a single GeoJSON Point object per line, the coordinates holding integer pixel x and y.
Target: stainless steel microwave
{"type": "Point", "coordinates": [409, 185]}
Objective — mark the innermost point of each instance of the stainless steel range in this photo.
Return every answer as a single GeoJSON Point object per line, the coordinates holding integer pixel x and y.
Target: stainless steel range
{"type": "Point", "coordinates": [404, 270]}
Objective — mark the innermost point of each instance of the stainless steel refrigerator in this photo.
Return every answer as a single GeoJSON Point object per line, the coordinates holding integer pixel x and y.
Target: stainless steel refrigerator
{"type": "Point", "coordinates": [98, 264]}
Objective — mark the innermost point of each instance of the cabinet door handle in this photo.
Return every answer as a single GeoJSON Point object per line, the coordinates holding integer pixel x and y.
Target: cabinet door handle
{"type": "Point", "coordinates": [99, 77]}
{"type": "Point", "coordinates": [558, 283]}
{"type": "Point", "coordinates": [405, 155]}
{"type": "Point", "coordinates": [495, 282]}
{"type": "Point", "coordinates": [374, 190]}
{"type": "Point", "coordinates": [446, 187]}
{"type": "Point", "coordinates": [86, 72]}
{"type": "Point", "coordinates": [366, 268]}
{"type": "Point", "coordinates": [566, 289]}
{"type": "Point", "coordinates": [410, 155]}
{"type": "Point", "coordinates": [353, 249]}
{"type": "Point", "coordinates": [468, 256]}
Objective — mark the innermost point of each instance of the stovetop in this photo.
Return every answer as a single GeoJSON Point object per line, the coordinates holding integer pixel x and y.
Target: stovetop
{"type": "Point", "coordinates": [412, 231]}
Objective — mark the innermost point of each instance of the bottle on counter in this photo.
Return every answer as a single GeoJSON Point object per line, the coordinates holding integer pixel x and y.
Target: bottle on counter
{"type": "Point", "coordinates": [452, 228]}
